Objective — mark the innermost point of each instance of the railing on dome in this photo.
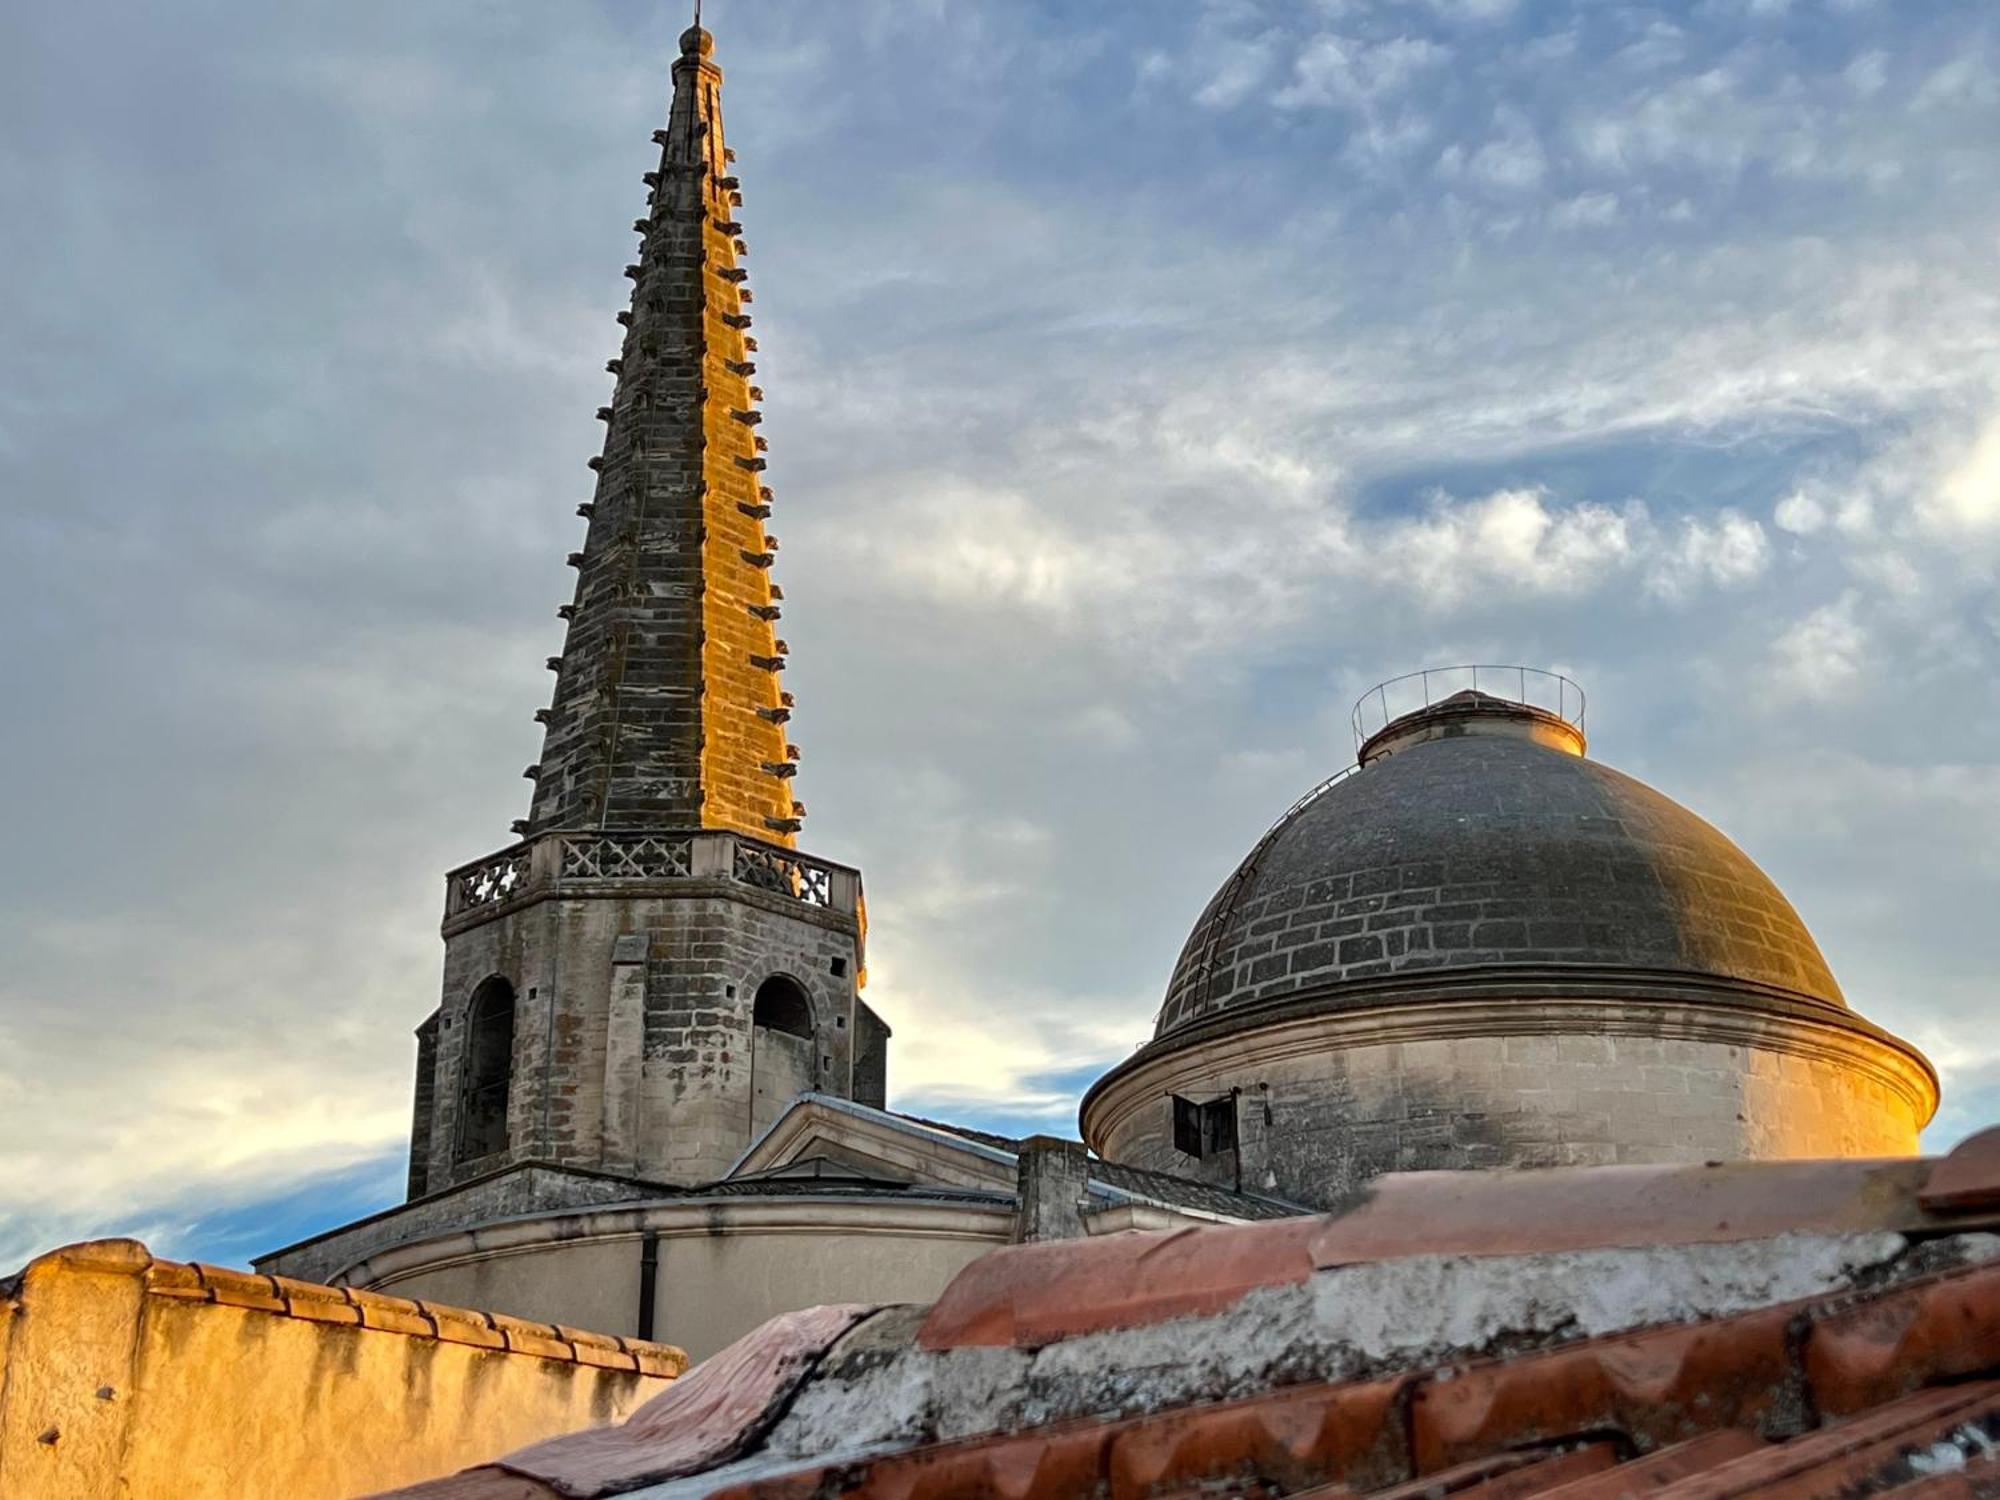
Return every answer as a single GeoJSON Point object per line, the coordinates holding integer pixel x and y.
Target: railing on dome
{"type": "Point", "coordinates": [1389, 701]}
{"type": "Point", "coordinates": [602, 860]}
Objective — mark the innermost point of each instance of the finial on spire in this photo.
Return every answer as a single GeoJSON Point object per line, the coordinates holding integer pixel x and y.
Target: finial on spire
{"type": "Point", "coordinates": [694, 41]}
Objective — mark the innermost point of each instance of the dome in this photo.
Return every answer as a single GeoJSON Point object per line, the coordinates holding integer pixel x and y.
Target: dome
{"type": "Point", "coordinates": [1475, 844]}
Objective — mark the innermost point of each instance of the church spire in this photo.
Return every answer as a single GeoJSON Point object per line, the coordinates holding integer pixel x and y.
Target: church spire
{"type": "Point", "coordinates": [668, 711]}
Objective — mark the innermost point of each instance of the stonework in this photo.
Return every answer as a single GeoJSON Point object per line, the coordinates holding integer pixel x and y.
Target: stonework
{"type": "Point", "coordinates": [1480, 949]}
{"type": "Point", "coordinates": [601, 976]}
{"type": "Point", "coordinates": [668, 710]}
{"type": "Point", "coordinates": [633, 1050]}
{"type": "Point", "coordinates": [1329, 1101]}
{"type": "Point", "coordinates": [652, 1091]}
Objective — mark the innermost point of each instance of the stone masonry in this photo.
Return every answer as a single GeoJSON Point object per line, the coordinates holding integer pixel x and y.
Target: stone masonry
{"type": "Point", "coordinates": [668, 710]}
{"type": "Point", "coordinates": [657, 886]}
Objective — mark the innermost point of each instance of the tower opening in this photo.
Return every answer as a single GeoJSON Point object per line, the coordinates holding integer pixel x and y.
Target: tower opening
{"type": "Point", "coordinates": [781, 1049]}
{"type": "Point", "coordinates": [486, 1071]}
{"type": "Point", "coordinates": [782, 1006]}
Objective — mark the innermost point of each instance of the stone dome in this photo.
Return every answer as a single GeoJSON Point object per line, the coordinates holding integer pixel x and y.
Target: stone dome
{"type": "Point", "coordinates": [1476, 845]}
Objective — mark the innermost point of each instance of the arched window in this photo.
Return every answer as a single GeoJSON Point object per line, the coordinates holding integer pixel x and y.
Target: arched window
{"type": "Point", "coordinates": [485, 1068]}
{"type": "Point", "coordinates": [782, 1006]}
{"type": "Point", "coordinates": [781, 1049]}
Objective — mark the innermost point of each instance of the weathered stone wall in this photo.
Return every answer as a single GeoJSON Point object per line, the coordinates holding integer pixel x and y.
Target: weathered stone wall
{"type": "Point", "coordinates": [1325, 1106]}
{"type": "Point", "coordinates": [660, 1088]}
{"type": "Point", "coordinates": [126, 1376]}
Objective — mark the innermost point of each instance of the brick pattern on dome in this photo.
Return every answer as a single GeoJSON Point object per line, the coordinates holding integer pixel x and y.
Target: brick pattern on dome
{"type": "Point", "coordinates": [1473, 853]}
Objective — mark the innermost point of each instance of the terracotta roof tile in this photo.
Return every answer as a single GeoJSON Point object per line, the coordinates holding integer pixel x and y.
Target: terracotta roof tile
{"type": "Point", "coordinates": [1942, 1329]}
{"type": "Point", "coordinates": [1888, 1385]}
{"type": "Point", "coordinates": [464, 1325]}
{"type": "Point", "coordinates": [1657, 1387]}
{"type": "Point", "coordinates": [1294, 1438]}
{"type": "Point", "coordinates": [316, 1303]}
{"type": "Point", "coordinates": [1653, 1472]}
{"type": "Point", "coordinates": [1472, 1475]}
{"type": "Point", "coordinates": [240, 1288]}
{"type": "Point", "coordinates": [1968, 1178]}
{"type": "Point", "coordinates": [1842, 1459]}
{"type": "Point", "coordinates": [1551, 1471]}
{"type": "Point", "coordinates": [392, 1314]}
{"type": "Point", "coordinates": [524, 1336]}
{"type": "Point", "coordinates": [1027, 1295]}
{"type": "Point", "coordinates": [1537, 1210]}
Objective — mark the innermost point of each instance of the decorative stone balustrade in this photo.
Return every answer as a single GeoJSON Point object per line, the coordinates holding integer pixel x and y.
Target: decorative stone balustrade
{"type": "Point", "coordinates": [589, 862]}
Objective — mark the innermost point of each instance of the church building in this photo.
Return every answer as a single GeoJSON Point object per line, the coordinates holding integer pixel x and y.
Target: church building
{"type": "Point", "coordinates": [652, 1099]}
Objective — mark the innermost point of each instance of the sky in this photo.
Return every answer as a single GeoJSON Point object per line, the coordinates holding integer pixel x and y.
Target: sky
{"type": "Point", "coordinates": [1145, 379]}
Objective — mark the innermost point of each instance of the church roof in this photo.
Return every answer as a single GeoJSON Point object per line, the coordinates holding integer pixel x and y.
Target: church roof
{"type": "Point", "coordinates": [1842, 1338]}
{"type": "Point", "coordinates": [1109, 1183]}
{"type": "Point", "coordinates": [668, 713]}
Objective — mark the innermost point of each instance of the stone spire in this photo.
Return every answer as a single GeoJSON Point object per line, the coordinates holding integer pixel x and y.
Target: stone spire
{"type": "Point", "coordinates": [668, 711]}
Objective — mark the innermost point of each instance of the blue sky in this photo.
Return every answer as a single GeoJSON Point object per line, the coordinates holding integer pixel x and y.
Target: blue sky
{"type": "Point", "coordinates": [1144, 380]}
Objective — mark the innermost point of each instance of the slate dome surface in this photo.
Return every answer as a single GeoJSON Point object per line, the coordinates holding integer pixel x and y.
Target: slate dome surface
{"type": "Point", "coordinates": [1478, 855]}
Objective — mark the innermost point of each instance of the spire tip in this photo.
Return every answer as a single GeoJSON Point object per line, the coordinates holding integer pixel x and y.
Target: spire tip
{"type": "Point", "coordinates": [696, 42]}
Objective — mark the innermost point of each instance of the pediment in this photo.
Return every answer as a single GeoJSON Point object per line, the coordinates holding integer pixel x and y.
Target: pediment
{"type": "Point", "coordinates": [818, 1135]}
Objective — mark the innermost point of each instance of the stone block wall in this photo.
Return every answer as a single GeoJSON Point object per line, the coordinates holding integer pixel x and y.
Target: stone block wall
{"type": "Point", "coordinates": [632, 1029]}
{"type": "Point", "coordinates": [1316, 1122]}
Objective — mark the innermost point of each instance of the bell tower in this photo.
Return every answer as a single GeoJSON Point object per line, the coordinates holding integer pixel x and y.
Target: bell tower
{"type": "Point", "coordinates": [643, 981]}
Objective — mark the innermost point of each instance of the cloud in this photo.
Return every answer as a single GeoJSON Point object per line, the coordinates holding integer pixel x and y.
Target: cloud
{"type": "Point", "coordinates": [1168, 387]}
{"type": "Point", "coordinates": [1338, 72]}
{"type": "Point", "coordinates": [1967, 501]}
{"type": "Point", "coordinates": [1822, 654]}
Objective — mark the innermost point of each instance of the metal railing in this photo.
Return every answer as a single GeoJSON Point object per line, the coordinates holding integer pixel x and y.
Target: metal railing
{"type": "Point", "coordinates": [1532, 687]}
{"type": "Point", "coordinates": [595, 860]}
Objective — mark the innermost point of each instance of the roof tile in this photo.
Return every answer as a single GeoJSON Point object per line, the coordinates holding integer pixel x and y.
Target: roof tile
{"type": "Point", "coordinates": [525, 1336]}
{"type": "Point", "coordinates": [390, 1314]}
{"type": "Point", "coordinates": [1843, 1458]}
{"type": "Point", "coordinates": [316, 1303]}
{"type": "Point", "coordinates": [1942, 1329]}
{"type": "Point", "coordinates": [1294, 1437]}
{"type": "Point", "coordinates": [1967, 1178]}
{"type": "Point", "coordinates": [462, 1325]}
{"type": "Point", "coordinates": [241, 1288]}
{"type": "Point", "coordinates": [1028, 1295]}
{"type": "Point", "coordinates": [1656, 1471]}
{"type": "Point", "coordinates": [1656, 1387]}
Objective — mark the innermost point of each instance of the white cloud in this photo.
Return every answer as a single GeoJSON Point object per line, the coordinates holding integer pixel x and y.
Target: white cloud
{"type": "Point", "coordinates": [1514, 161]}
{"type": "Point", "coordinates": [1586, 211]}
{"type": "Point", "coordinates": [1821, 655]}
{"type": "Point", "coordinates": [1967, 500]}
{"type": "Point", "coordinates": [1727, 552]}
{"type": "Point", "coordinates": [1334, 71]}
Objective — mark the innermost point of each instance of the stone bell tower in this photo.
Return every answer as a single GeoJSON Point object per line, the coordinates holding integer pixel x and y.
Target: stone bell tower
{"type": "Point", "coordinates": [645, 979]}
